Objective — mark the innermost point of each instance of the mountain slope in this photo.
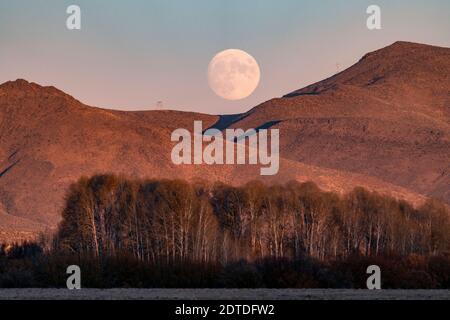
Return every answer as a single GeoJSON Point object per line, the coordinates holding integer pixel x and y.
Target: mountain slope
{"type": "Point", "coordinates": [382, 124]}
{"type": "Point", "coordinates": [388, 116]}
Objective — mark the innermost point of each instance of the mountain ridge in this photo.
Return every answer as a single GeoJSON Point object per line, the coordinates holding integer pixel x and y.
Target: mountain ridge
{"type": "Point", "coordinates": [382, 124]}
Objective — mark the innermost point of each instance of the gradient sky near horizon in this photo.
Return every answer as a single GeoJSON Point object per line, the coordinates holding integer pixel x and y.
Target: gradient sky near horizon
{"type": "Point", "coordinates": [131, 54]}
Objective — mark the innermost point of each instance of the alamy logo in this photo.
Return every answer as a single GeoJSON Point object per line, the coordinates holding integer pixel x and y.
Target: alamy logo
{"type": "Point", "coordinates": [73, 21]}
{"type": "Point", "coordinates": [374, 281]}
{"type": "Point", "coordinates": [260, 149]}
{"type": "Point", "coordinates": [374, 20]}
{"type": "Point", "coordinates": [74, 280]}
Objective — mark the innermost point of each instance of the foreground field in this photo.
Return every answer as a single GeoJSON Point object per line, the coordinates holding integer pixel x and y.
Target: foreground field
{"type": "Point", "coordinates": [221, 294]}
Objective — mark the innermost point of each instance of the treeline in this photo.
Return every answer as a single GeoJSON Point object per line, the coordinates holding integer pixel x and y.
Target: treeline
{"type": "Point", "coordinates": [174, 221]}
{"type": "Point", "coordinates": [174, 234]}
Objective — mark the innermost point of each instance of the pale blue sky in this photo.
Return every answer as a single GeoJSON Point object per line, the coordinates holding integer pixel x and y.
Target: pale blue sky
{"type": "Point", "coordinates": [131, 54]}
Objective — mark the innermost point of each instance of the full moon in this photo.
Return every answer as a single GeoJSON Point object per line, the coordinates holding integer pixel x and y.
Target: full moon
{"type": "Point", "coordinates": [233, 74]}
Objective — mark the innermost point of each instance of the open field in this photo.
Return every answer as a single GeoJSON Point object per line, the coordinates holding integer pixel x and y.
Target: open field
{"type": "Point", "coordinates": [221, 294]}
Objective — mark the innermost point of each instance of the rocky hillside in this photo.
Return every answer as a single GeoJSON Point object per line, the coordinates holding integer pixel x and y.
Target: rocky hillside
{"type": "Point", "coordinates": [384, 124]}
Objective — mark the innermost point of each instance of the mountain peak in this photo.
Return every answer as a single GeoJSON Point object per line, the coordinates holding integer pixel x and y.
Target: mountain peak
{"type": "Point", "coordinates": [23, 87]}
{"type": "Point", "coordinates": [406, 62]}
{"type": "Point", "coordinates": [401, 43]}
{"type": "Point", "coordinates": [20, 84]}
{"type": "Point", "coordinates": [399, 49]}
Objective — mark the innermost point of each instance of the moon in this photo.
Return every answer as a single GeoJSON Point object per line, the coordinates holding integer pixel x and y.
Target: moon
{"type": "Point", "coordinates": [233, 74]}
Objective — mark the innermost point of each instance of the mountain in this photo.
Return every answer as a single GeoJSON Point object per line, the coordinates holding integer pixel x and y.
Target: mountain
{"type": "Point", "coordinates": [387, 116]}
{"type": "Point", "coordinates": [384, 124]}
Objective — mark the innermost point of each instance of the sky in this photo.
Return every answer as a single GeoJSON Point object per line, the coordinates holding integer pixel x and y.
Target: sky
{"type": "Point", "coordinates": [131, 54]}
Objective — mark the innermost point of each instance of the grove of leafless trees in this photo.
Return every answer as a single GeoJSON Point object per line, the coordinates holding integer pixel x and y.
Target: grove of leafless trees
{"type": "Point", "coordinates": [173, 220]}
